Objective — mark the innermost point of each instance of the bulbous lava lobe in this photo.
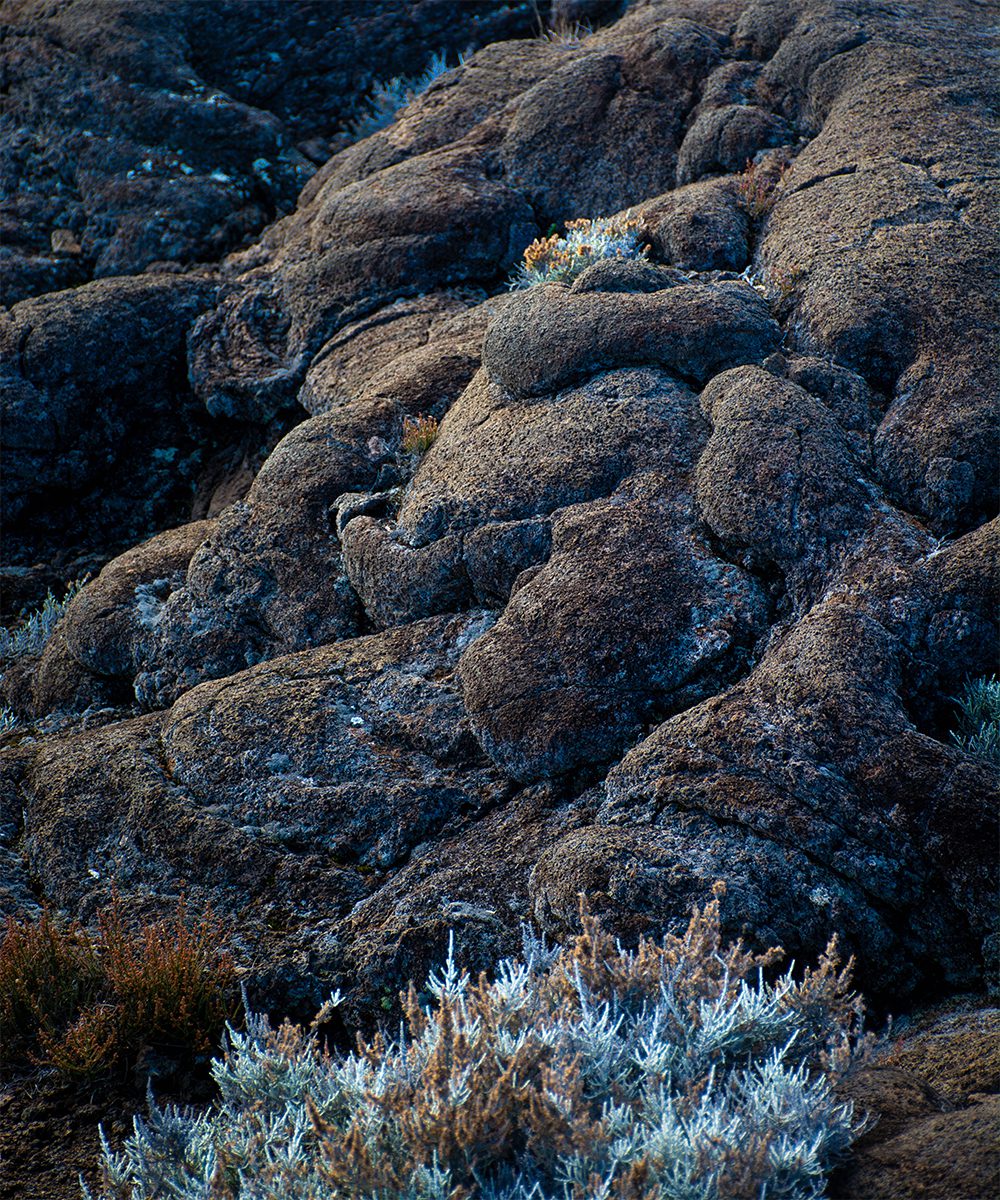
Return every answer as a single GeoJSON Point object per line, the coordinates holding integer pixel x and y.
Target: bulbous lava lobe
{"type": "Point", "coordinates": [682, 588]}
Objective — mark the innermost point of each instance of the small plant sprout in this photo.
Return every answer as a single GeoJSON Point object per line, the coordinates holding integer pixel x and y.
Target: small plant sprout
{"type": "Point", "coordinates": [757, 189]}
{"type": "Point", "coordinates": [389, 96]}
{"type": "Point", "coordinates": [419, 434]}
{"type": "Point", "coordinates": [9, 722]}
{"type": "Point", "coordinates": [674, 1071]}
{"type": "Point", "coordinates": [978, 729]}
{"type": "Point", "coordinates": [785, 280]}
{"type": "Point", "coordinates": [556, 259]}
{"type": "Point", "coordinates": [30, 637]}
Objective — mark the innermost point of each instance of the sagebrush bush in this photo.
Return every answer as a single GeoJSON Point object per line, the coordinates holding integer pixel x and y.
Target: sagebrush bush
{"type": "Point", "coordinates": [91, 1005]}
{"type": "Point", "coordinates": [674, 1071]}
{"type": "Point", "coordinates": [31, 636]}
{"type": "Point", "coordinates": [558, 259]}
{"type": "Point", "coordinates": [978, 729]}
{"type": "Point", "coordinates": [388, 96]}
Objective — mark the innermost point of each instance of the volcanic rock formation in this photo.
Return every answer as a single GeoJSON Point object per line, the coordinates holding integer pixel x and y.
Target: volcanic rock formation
{"type": "Point", "coordinates": [682, 590]}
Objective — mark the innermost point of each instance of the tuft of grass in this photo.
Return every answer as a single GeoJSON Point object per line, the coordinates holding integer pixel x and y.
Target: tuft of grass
{"type": "Point", "coordinates": [669, 1072]}
{"type": "Point", "coordinates": [93, 1005]}
{"type": "Point", "coordinates": [419, 434]}
{"type": "Point", "coordinates": [556, 259]}
{"type": "Point", "coordinates": [757, 189]}
{"type": "Point", "coordinates": [389, 96]}
{"type": "Point", "coordinates": [563, 31]}
{"type": "Point", "coordinates": [9, 721]}
{"type": "Point", "coordinates": [32, 634]}
{"type": "Point", "coordinates": [978, 725]}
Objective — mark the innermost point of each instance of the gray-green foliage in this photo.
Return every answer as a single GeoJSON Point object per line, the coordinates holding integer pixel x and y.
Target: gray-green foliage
{"type": "Point", "coordinates": [559, 1077]}
{"type": "Point", "coordinates": [560, 259]}
{"type": "Point", "coordinates": [31, 635]}
{"type": "Point", "coordinates": [388, 96]}
{"type": "Point", "coordinates": [978, 729]}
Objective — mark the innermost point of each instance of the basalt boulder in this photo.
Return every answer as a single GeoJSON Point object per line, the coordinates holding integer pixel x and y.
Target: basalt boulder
{"type": "Point", "coordinates": [684, 587]}
{"type": "Point", "coordinates": [175, 133]}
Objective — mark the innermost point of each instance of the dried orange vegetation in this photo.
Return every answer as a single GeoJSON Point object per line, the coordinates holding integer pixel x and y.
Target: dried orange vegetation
{"type": "Point", "coordinates": [48, 974]}
{"type": "Point", "coordinates": [675, 1071]}
{"type": "Point", "coordinates": [757, 188]}
{"type": "Point", "coordinates": [419, 434]}
{"type": "Point", "coordinates": [91, 1005]}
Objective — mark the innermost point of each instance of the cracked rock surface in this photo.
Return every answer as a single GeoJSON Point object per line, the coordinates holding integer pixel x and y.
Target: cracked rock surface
{"type": "Point", "coordinates": [682, 591]}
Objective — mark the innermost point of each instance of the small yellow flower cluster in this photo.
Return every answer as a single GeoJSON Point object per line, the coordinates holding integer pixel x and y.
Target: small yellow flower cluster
{"type": "Point", "coordinates": [541, 252]}
{"type": "Point", "coordinates": [561, 259]}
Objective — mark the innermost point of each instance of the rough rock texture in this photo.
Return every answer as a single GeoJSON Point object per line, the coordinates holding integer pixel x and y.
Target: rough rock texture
{"type": "Point", "coordinates": [149, 137]}
{"type": "Point", "coordinates": [310, 776]}
{"type": "Point", "coordinates": [937, 1098]}
{"type": "Point", "coordinates": [173, 132]}
{"type": "Point", "coordinates": [682, 590]}
{"type": "Point", "coordinates": [99, 422]}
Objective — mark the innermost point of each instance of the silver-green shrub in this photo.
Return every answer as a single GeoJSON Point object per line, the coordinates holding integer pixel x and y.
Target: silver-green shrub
{"type": "Point", "coordinates": [978, 729]}
{"type": "Point", "coordinates": [556, 259]}
{"type": "Point", "coordinates": [33, 632]}
{"type": "Point", "coordinates": [388, 96]}
{"type": "Point", "coordinates": [674, 1071]}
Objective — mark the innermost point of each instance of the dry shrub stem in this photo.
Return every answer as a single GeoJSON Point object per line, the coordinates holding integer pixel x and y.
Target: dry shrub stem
{"type": "Point", "coordinates": [94, 1005]}
{"type": "Point", "coordinates": [674, 1071]}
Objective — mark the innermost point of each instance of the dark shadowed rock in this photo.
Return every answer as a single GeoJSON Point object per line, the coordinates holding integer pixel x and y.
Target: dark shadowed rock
{"type": "Point", "coordinates": [103, 440]}
{"type": "Point", "coordinates": [74, 365]}
{"type": "Point", "coordinates": [441, 218]}
{"type": "Point", "coordinates": [682, 590]}
{"type": "Point", "coordinates": [137, 134]}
